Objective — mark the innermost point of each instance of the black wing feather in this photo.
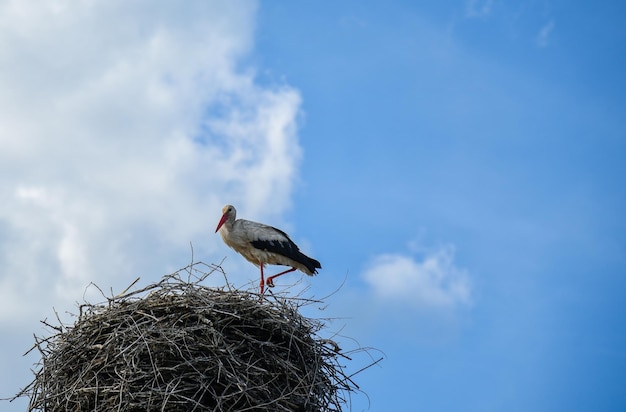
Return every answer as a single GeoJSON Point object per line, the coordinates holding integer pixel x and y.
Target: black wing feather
{"type": "Point", "coordinates": [288, 249]}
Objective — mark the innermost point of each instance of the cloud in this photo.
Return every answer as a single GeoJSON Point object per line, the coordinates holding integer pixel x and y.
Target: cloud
{"type": "Point", "coordinates": [478, 8]}
{"type": "Point", "coordinates": [431, 282]}
{"type": "Point", "coordinates": [543, 37]}
{"type": "Point", "coordinates": [121, 142]}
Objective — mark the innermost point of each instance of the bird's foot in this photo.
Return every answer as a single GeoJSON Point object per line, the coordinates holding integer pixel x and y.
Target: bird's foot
{"type": "Point", "coordinates": [270, 282]}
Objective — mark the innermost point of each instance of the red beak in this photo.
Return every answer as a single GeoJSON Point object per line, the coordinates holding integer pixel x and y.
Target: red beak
{"type": "Point", "coordinates": [222, 221]}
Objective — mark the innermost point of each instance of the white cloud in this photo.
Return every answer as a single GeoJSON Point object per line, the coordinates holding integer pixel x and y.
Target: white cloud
{"type": "Point", "coordinates": [125, 127]}
{"type": "Point", "coordinates": [543, 37]}
{"type": "Point", "coordinates": [478, 8]}
{"type": "Point", "coordinates": [432, 282]}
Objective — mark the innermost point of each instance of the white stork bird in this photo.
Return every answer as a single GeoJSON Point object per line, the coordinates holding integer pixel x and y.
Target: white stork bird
{"type": "Point", "coordinates": [262, 244]}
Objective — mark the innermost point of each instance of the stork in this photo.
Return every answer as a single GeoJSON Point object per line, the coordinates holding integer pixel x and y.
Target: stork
{"type": "Point", "coordinates": [263, 245]}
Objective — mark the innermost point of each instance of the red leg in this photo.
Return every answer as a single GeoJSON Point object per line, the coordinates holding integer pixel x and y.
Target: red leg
{"type": "Point", "coordinates": [262, 284]}
{"type": "Point", "coordinates": [270, 280]}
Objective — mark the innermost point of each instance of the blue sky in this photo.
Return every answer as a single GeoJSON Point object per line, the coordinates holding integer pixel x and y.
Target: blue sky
{"type": "Point", "coordinates": [460, 165]}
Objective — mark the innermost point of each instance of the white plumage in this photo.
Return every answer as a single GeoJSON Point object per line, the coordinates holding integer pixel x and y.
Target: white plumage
{"type": "Point", "coordinates": [262, 244]}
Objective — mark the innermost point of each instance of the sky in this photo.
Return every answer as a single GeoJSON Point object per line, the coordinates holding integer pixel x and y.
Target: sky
{"type": "Point", "coordinates": [458, 168]}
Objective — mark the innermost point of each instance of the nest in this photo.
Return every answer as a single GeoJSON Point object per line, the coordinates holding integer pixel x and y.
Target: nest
{"type": "Point", "coordinates": [179, 346]}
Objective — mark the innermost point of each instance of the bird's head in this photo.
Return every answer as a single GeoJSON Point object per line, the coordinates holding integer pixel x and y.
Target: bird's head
{"type": "Point", "coordinates": [228, 213]}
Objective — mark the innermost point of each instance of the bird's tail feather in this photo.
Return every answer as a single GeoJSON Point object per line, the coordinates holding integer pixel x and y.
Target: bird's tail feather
{"type": "Point", "coordinates": [311, 264]}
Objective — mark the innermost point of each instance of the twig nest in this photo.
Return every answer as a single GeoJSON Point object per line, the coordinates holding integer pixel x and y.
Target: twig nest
{"type": "Point", "coordinates": [180, 346]}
